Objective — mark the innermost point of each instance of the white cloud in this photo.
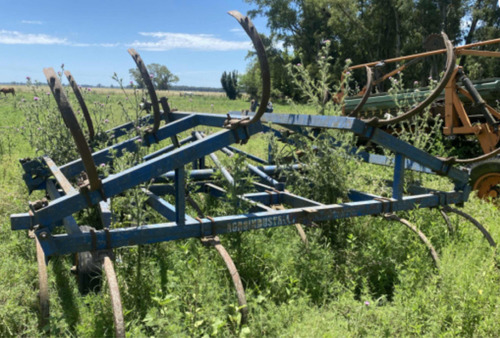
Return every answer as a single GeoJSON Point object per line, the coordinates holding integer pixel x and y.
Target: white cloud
{"type": "Point", "coordinates": [17, 38]}
{"type": "Point", "coordinates": [105, 45]}
{"type": "Point", "coordinates": [206, 42]}
{"type": "Point", "coordinates": [236, 30]}
{"type": "Point", "coordinates": [32, 22]}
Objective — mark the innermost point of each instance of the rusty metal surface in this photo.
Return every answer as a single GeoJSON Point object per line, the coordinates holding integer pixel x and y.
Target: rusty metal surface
{"type": "Point", "coordinates": [149, 85]}
{"type": "Point", "coordinates": [487, 133]}
{"type": "Point", "coordinates": [451, 230]}
{"type": "Point", "coordinates": [484, 157]}
{"type": "Point", "coordinates": [114, 293]}
{"type": "Point", "coordinates": [43, 286]}
{"type": "Point", "coordinates": [366, 95]}
{"type": "Point", "coordinates": [81, 101]}
{"type": "Point", "coordinates": [420, 234]}
{"type": "Point", "coordinates": [59, 176]}
{"type": "Point", "coordinates": [458, 50]}
{"type": "Point", "coordinates": [250, 29]}
{"type": "Point", "coordinates": [73, 125]}
{"type": "Point", "coordinates": [233, 271]}
{"type": "Point", "coordinates": [485, 185]}
{"type": "Point", "coordinates": [476, 223]}
{"type": "Point", "coordinates": [450, 67]}
{"type": "Point", "coordinates": [300, 230]}
{"type": "Point", "coordinates": [166, 114]}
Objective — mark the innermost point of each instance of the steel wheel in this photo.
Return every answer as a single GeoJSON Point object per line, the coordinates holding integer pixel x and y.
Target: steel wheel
{"type": "Point", "coordinates": [88, 270]}
{"type": "Point", "coordinates": [485, 178]}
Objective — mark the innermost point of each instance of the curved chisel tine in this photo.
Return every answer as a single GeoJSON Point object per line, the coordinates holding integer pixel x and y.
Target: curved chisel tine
{"type": "Point", "coordinates": [72, 123]}
{"type": "Point", "coordinates": [149, 85]}
{"type": "Point", "coordinates": [264, 64]}
{"type": "Point", "coordinates": [79, 97]}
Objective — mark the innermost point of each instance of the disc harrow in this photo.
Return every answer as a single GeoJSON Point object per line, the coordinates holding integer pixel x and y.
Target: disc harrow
{"type": "Point", "coordinates": [458, 121]}
{"type": "Point", "coordinates": [163, 173]}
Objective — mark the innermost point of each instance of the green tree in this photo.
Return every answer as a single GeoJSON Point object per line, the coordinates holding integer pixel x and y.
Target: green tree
{"type": "Point", "coordinates": [250, 82]}
{"type": "Point", "coordinates": [484, 24]}
{"type": "Point", "coordinates": [229, 81]}
{"type": "Point", "coordinates": [281, 81]}
{"type": "Point", "coordinates": [160, 75]}
{"type": "Point", "coordinates": [370, 30]}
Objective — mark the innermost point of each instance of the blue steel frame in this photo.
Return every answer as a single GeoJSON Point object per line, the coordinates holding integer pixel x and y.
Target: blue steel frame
{"type": "Point", "coordinates": [168, 163]}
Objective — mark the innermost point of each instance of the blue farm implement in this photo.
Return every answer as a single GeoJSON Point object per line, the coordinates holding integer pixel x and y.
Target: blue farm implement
{"type": "Point", "coordinates": [77, 186]}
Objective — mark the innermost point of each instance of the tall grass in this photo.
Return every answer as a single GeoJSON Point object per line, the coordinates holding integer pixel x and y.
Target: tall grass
{"type": "Point", "coordinates": [363, 276]}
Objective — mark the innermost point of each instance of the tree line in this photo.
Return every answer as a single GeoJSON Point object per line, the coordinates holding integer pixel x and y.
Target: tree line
{"type": "Point", "coordinates": [357, 31]}
{"type": "Point", "coordinates": [361, 31]}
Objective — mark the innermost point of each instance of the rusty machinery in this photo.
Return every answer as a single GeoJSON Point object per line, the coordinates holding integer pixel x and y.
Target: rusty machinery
{"type": "Point", "coordinates": [465, 111]}
{"type": "Point", "coordinates": [163, 172]}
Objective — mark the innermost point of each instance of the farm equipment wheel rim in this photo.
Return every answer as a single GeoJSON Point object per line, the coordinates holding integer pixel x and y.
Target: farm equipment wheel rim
{"type": "Point", "coordinates": [233, 271]}
{"type": "Point", "coordinates": [149, 85]}
{"type": "Point", "coordinates": [476, 223]}
{"type": "Point", "coordinates": [420, 234]}
{"type": "Point", "coordinates": [251, 31]}
{"type": "Point", "coordinates": [43, 286]}
{"type": "Point", "coordinates": [81, 101]}
{"type": "Point", "coordinates": [450, 67]}
{"type": "Point", "coordinates": [72, 123]}
{"type": "Point", "coordinates": [114, 293]}
{"type": "Point", "coordinates": [488, 185]}
{"type": "Point", "coordinates": [88, 268]}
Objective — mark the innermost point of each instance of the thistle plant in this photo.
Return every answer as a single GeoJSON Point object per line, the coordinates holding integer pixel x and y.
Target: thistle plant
{"type": "Point", "coordinates": [316, 87]}
{"type": "Point", "coordinates": [324, 153]}
{"type": "Point", "coordinates": [424, 131]}
{"type": "Point", "coordinates": [131, 106]}
{"type": "Point", "coordinates": [44, 127]}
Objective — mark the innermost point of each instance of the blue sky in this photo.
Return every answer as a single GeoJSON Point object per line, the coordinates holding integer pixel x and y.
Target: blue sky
{"type": "Point", "coordinates": [197, 40]}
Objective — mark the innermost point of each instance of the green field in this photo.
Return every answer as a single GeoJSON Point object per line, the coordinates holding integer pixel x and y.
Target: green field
{"type": "Point", "coordinates": [357, 277]}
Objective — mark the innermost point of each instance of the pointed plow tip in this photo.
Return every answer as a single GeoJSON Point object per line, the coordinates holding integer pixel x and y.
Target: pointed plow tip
{"type": "Point", "coordinates": [235, 14]}
{"type": "Point", "coordinates": [49, 72]}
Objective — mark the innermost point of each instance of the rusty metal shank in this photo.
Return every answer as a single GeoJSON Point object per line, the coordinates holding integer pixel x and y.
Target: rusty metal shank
{"type": "Point", "coordinates": [233, 271]}
{"type": "Point", "coordinates": [114, 293]}
{"type": "Point", "coordinates": [420, 234]}
{"type": "Point", "coordinates": [73, 125]}
{"type": "Point", "coordinates": [451, 160]}
{"type": "Point", "coordinates": [149, 85]}
{"type": "Point", "coordinates": [264, 65]}
{"type": "Point", "coordinates": [366, 95]}
{"type": "Point", "coordinates": [43, 285]}
{"type": "Point", "coordinates": [476, 223]}
{"type": "Point", "coordinates": [450, 67]}
{"type": "Point", "coordinates": [79, 97]}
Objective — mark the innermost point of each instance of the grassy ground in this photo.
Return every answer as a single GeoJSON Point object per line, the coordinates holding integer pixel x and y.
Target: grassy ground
{"type": "Point", "coordinates": [364, 276]}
